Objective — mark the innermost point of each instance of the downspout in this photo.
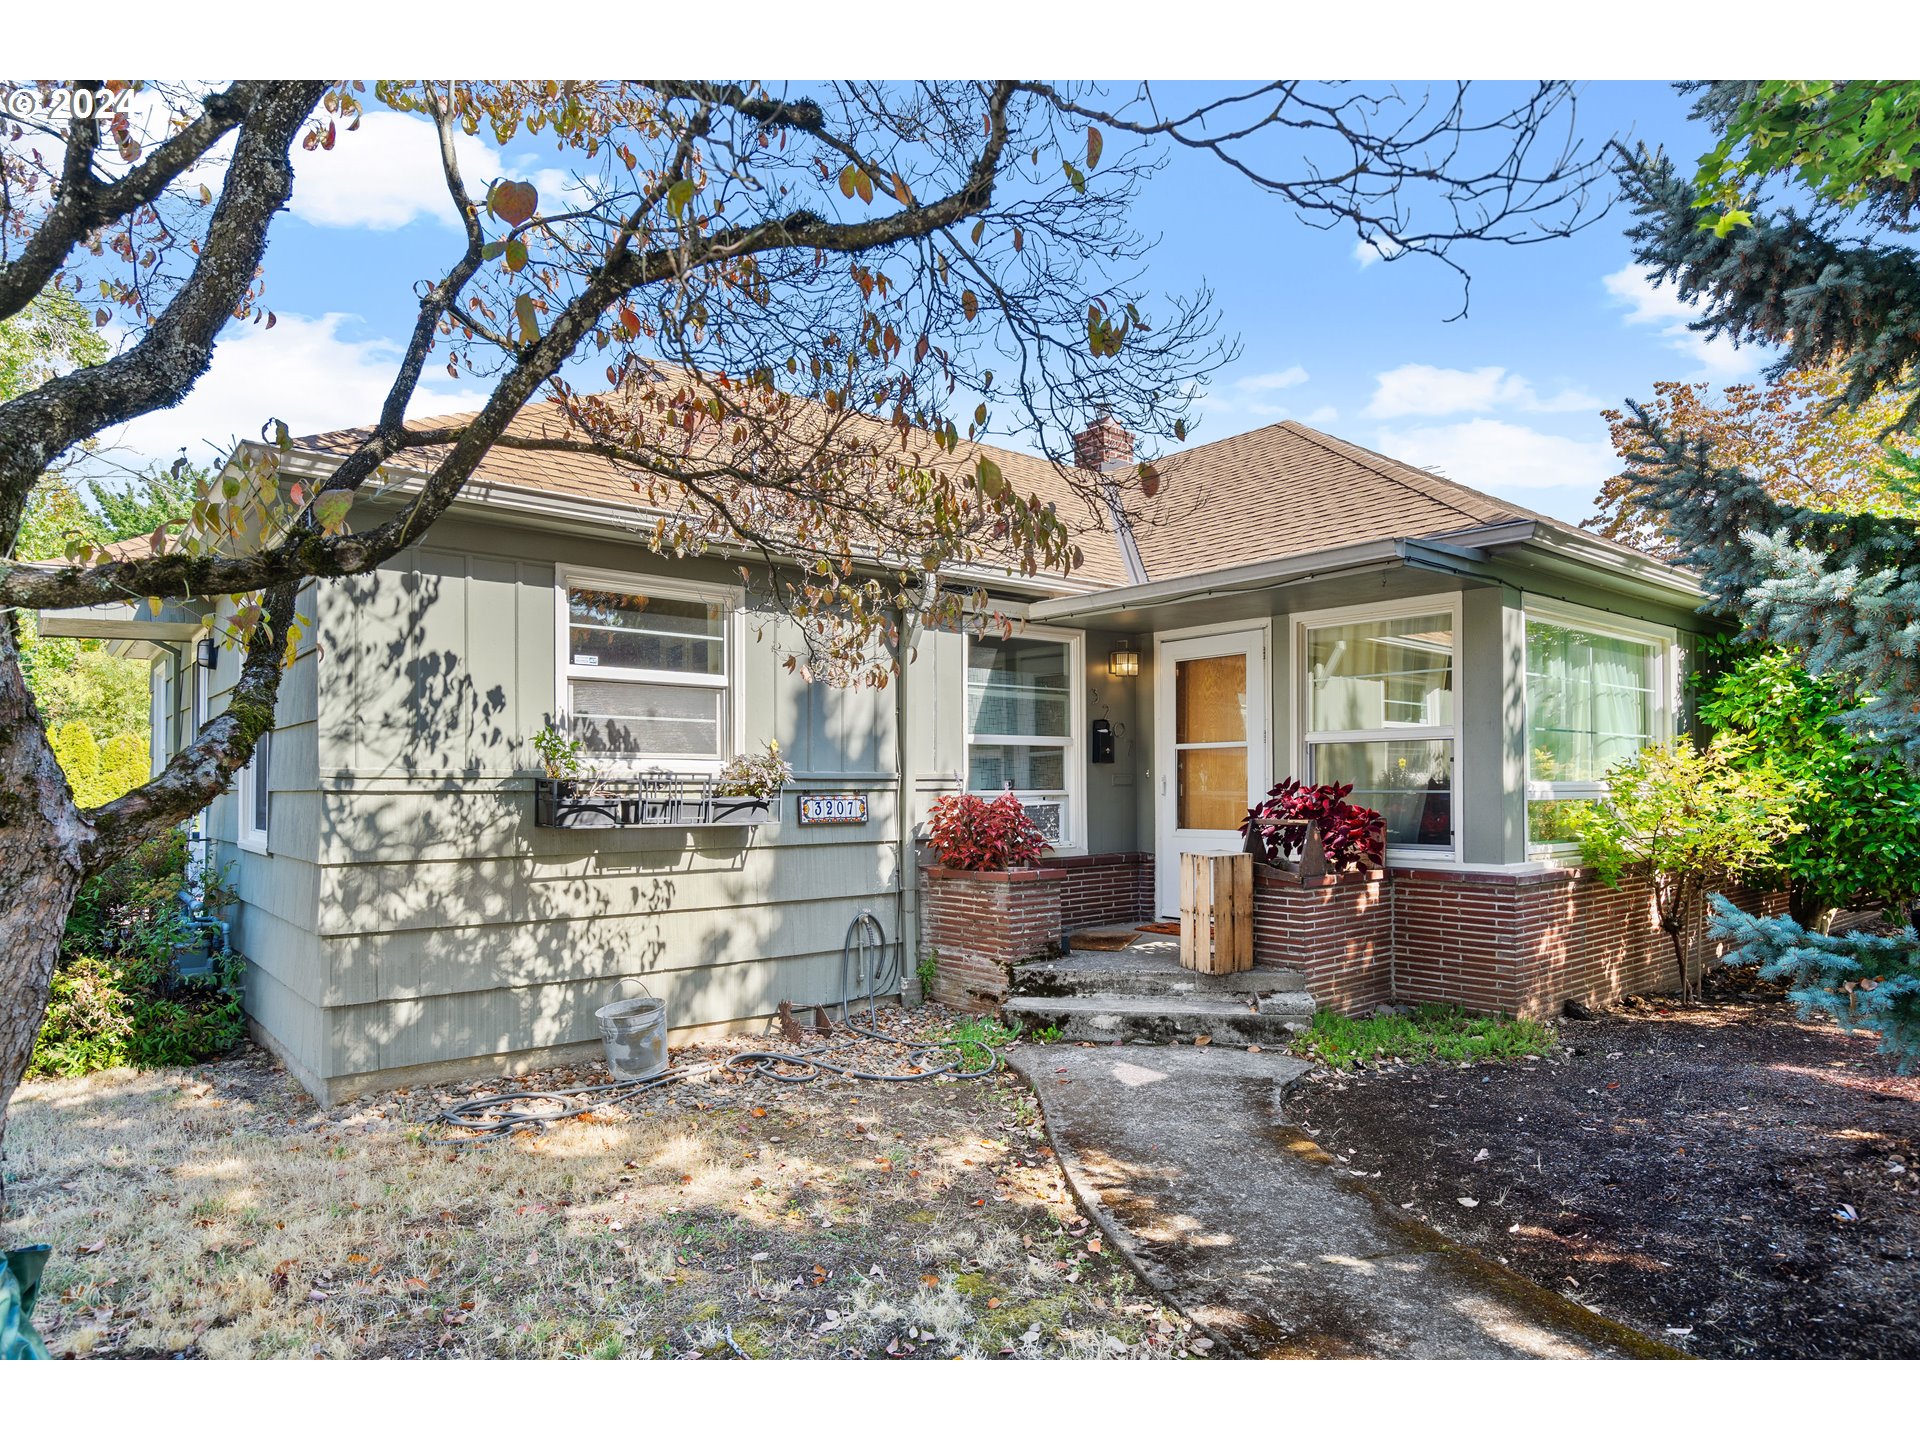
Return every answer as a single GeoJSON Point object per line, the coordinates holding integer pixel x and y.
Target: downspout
{"type": "Point", "coordinates": [906, 888]}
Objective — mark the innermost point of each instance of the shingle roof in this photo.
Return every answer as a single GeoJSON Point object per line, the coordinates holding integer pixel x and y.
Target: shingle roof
{"type": "Point", "coordinates": [1285, 489]}
{"type": "Point", "coordinates": [587, 477]}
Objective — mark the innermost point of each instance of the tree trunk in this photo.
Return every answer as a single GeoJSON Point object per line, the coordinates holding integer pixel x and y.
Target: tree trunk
{"type": "Point", "coordinates": [41, 837]}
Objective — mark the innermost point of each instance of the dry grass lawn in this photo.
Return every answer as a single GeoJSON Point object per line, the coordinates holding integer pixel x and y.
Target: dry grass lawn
{"type": "Point", "coordinates": [217, 1212]}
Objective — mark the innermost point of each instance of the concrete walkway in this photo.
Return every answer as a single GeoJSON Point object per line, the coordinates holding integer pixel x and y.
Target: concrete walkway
{"type": "Point", "coordinates": [1184, 1159]}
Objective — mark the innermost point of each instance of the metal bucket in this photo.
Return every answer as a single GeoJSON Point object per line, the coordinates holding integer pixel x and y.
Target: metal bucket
{"type": "Point", "coordinates": [634, 1034]}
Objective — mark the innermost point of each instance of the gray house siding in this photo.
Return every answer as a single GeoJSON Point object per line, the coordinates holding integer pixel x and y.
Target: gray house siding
{"type": "Point", "coordinates": [411, 915]}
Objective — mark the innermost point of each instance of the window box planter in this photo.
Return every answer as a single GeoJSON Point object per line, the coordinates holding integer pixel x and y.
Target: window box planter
{"type": "Point", "coordinates": [659, 801]}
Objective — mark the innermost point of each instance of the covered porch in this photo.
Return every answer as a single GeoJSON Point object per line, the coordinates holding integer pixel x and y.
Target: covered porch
{"type": "Point", "coordinates": [1468, 687]}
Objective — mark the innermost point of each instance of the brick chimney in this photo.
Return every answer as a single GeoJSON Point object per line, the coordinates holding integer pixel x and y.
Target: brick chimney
{"type": "Point", "coordinates": [1104, 445]}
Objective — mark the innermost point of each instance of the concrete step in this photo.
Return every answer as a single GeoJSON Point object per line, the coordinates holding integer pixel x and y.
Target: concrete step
{"type": "Point", "coordinates": [1095, 974]}
{"type": "Point", "coordinates": [1158, 1019]}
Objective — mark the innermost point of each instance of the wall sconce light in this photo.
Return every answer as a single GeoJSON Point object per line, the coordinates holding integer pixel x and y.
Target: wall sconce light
{"type": "Point", "coordinates": [207, 654]}
{"type": "Point", "coordinates": [1123, 662]}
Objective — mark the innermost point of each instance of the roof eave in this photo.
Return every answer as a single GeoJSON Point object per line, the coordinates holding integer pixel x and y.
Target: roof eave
{"type": "Point", "coordinates": [482, 492]}
{"type": "Point", "coordinates": [1568, 550]}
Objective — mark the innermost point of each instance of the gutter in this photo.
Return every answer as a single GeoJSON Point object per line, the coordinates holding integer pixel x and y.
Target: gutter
{"type": "Point", "coordinates": [1463, 553]}
{"type": "Point", "coordinates": [1238, 579]}
{"type": "Point", "coordinates": [1566, 550]}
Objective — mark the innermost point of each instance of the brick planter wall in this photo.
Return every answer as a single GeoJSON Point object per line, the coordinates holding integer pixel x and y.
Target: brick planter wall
{"type": "Point", "coordinates": [980, 924]}
{"type": "Point", "coordinates": [1511, 944]}
{"type": "Point", "coordinates": [1526, 944]}
{"type": "Point", "coordinates": [1114, 889]}
{"type": "Point", "coordinates": [1337, 930]}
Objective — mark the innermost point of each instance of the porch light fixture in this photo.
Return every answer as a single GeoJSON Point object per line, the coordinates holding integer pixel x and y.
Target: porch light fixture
{"type": "Point", "coordinates": [207, 654]}
{"type": "Point", "coordinates": [1123, 662]}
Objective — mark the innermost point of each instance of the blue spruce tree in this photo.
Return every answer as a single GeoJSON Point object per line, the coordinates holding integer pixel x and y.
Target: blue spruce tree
{"type": "Point", "coordinates": [1797, 231]}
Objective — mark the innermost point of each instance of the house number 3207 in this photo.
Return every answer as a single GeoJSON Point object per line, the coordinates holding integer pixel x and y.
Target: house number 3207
{"type": "Point", "coordinates": [833, 809]}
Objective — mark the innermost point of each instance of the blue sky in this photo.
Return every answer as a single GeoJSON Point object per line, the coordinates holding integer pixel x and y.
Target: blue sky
{"type": "Point", "coordinates": [1505, 399]}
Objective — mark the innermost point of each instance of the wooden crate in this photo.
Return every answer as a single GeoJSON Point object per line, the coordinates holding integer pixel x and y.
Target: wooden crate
{"type": "Point", "coordinates": [1216, 913]}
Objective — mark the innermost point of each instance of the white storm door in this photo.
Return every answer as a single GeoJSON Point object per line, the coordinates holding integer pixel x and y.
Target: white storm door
{"type": "Point", "coordinates": [1211, 748]}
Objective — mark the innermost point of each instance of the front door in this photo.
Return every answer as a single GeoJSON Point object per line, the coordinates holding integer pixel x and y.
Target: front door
{"type": "Point", "coordinates": [1211, 748]}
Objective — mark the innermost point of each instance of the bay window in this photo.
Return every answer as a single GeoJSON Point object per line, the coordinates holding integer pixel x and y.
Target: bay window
{"type": "Point", "coordinates": [1596, 694]}
{"type": "Point", "coordinates": [1379, 716]}
{"type": "Point", "coordinates": [1021, 719]}
{"type": "Point", "coordinates": [644, 671]}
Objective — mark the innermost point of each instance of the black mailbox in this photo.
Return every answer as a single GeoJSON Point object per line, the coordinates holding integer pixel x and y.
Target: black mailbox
{"type": "Point", "coordinates": [1102, 742]}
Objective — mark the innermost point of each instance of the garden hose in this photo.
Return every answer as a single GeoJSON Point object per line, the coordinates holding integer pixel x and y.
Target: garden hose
{"type": "Point", "coordinates": [494, 1117]}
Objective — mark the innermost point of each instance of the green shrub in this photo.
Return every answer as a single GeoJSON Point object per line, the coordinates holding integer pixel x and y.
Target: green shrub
{"type": "Point", "coordinates": [114, 999]}
{"type": "Point", "coordinates": [1859, 810]}
{"type": "Point", "coordinates": [88, 1020]}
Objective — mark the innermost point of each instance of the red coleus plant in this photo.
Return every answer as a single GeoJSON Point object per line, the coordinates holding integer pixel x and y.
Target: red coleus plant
{"type": "Point", "coordinates": [1352, 836]}
{"type": "Point", "coordinates": [968, 833]}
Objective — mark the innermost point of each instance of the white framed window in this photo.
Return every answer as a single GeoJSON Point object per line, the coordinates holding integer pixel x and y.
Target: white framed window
{"type": "Point", "coordinates": [1023, 726]}
{"type": "Point", "coordinates": [647, 670]}
{"type": "Point", "coordinates": [1377, 712]}
{"type": "Point", "coordinates": [255, 795]}
{"type": "Point", "coordinates": [1599, 689]}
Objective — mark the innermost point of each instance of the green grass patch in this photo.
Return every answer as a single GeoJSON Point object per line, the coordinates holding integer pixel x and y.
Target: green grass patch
{"type": "Point", "coordinates": [1431, 1032]}
{"type": "Point", "coordinates": [977, 1038]}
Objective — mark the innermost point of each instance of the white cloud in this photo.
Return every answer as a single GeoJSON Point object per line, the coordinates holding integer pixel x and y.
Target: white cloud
{"type": "Point", "coordinates": [1376, 247]}
{"type": "Point", "coordinates": [1273, 380]}
{"type": "Point", "coordinates": [1434, 390]}
{"type": "Point", "coordinates": [1501, 457]}
{"type": "Point", "coordinates": [301, 371]}
{"type": "Point", "coordinates": [387, 174]}
{"type": "Point", "coordinates": [1663, 308]}
{"type": "Point", "coordinates": [1319, 418]}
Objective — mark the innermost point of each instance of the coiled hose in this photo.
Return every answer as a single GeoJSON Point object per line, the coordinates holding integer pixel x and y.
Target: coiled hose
{"type": "Point", "coordinates": [863, 952]}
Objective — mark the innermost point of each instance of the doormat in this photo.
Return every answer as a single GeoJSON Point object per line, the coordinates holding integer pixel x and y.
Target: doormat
{"type": "Point", "coordinates": [1161, 927]}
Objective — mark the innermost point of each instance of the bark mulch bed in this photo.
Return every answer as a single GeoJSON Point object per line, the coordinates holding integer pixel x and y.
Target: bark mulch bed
{"type": "Point", "coordinates": [1729, 1178]}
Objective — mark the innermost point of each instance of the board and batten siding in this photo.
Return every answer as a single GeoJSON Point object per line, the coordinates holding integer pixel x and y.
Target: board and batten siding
{"type": "Point", "coordinates": [440, 928]}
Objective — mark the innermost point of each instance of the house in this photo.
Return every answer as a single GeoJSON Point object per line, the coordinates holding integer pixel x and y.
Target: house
{"type": "Point", "coordinates": [1289, 604]}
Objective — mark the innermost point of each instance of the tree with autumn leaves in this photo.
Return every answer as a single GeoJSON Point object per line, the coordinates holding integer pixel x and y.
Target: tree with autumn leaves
{"type": "Point", "coordinates": [1791, 433]}
{"type": "Point", "coordinates": [807, 308]}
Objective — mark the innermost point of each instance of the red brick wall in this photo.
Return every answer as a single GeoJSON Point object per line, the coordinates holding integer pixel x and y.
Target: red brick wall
{"type": "Point", "coordinates": [980, 924]}
{"type": "Point", "coordinates": [1114, 889]}
{"type": "Point", "coordinates": [1337, 930]}
{"type": "Point", "coordinates": [1512, 944]}
{"type": "Point", "coordinates": [1455, 938]}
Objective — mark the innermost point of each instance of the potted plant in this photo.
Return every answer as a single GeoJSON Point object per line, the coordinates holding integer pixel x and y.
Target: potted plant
{"type": "Point", "coordinates": [1318, 824]}
{"type": "Point", "coordinates": [968, 833]}
{"type": "Point", "coordinates": [563, 796]}
{"type": "Point", "coordinates": [748, 787]}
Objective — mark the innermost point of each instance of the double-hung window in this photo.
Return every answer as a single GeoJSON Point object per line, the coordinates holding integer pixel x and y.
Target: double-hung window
{"type": "Point", "coordinates": [1597, 694]}
{"type": "Point", "coordinates": [1379, 716]}
{"type": "Point", "coordinates": [644, 670]}
{"type": "Point", "coordinates": [1022, 722]}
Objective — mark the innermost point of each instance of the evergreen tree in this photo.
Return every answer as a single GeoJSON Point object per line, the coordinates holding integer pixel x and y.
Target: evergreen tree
{"type": "Point", "coordinates": [1796, 231]}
